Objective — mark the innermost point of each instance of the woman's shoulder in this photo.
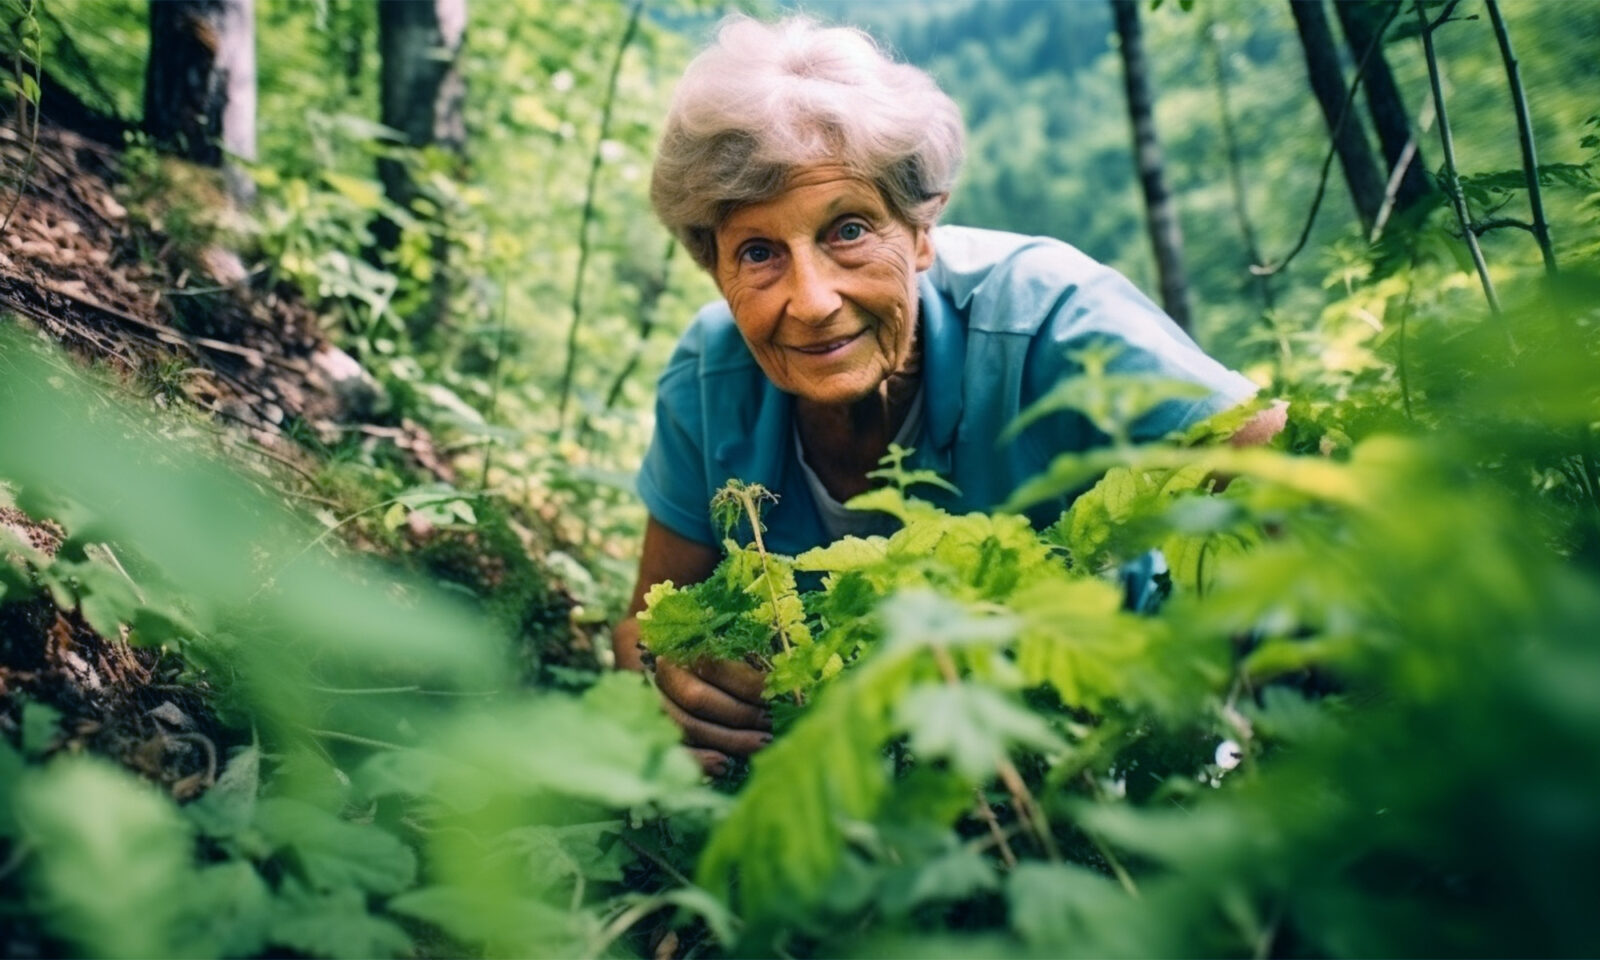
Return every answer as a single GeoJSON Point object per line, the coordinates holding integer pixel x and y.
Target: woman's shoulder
{"type": "Point", "coordinates": [1008, 282]}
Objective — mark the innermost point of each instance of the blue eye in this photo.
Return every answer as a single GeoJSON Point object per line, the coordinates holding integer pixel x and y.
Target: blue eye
{"type": "Point", "coordinates": [852, 230]}
{"type": "Point", "coordinates": [756, 253]}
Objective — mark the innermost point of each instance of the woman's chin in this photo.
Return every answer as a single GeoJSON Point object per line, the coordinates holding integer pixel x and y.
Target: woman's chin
{"type": "Point", "coordinates": [838, 391]}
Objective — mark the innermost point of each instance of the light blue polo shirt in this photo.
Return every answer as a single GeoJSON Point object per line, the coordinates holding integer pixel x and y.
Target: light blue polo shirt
{"type": "Point", "coordinates": [999, 314]}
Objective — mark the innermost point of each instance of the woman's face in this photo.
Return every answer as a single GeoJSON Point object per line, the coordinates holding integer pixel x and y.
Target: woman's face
{"type": "Point", "coordinates": [822, 281]}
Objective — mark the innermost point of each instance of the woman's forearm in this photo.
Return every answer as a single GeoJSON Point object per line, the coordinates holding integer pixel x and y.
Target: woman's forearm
{"type": "Point", "coordinates": [625, 645]}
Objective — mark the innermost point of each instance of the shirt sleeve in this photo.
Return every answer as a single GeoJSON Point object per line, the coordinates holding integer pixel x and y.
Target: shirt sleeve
{"type": "Point", "coordinates": [672, 478]}
{"type": "Point", "coordinates": [1107, 307]}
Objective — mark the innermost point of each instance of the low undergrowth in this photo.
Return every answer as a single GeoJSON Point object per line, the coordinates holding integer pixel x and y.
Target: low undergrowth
{"type": "Point", "coordinates": [1361, 721]}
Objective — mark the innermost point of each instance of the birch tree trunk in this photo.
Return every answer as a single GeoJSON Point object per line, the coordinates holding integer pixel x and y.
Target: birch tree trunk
{"type": "Point", "coordinates": [1161, 214]}
{"type": "Point", "coordinates": [422, 92]}
{"type": "Point", "coordinates": [200, 83]}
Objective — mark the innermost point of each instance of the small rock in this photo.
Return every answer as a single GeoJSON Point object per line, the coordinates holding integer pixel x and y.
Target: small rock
{"type": "Point", "coordinates": [169, 714]}
{"type": "Point", "coordinates": [358, 392]}
{"type": "Point", "coordinates": [224, 266]}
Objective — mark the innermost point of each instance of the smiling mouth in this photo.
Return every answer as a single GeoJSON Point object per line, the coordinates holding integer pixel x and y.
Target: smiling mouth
{"type": "Point", "coordinates": [827, 346]}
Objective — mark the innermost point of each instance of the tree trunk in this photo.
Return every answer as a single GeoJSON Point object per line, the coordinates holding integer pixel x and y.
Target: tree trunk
{"type": "Point", "coordinates": [1327, 83]}
{"type": "Point", "coordinates": [200, 82]}
{"type": "Point", "coordinates": [422, 92]}
{"type": "Point", "coordinates": [1362, 21]}
{"type": "Point", "coordinates": [1209, 32]}
{"type": "Point", "coordinates": [1161, 214]}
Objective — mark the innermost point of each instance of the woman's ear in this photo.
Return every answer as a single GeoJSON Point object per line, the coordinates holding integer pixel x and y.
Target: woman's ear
{"type": "Point", "coordinates": [931, 211]}
{"type": "Point", "coordinates": [924, 248]}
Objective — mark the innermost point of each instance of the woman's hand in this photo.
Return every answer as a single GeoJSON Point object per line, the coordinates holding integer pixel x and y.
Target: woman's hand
{"type": "Point", "coordinates": [717, 702]}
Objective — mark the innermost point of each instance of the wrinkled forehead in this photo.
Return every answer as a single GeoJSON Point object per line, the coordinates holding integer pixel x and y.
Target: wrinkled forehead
{"type": "Point", "coordinates": [823, 183]}
{"type": "Point", "coordinates": [810, 197]}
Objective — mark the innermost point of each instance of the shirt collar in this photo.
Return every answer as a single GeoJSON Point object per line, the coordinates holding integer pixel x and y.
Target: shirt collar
{"type": "Point", "coordinates": [944, 352]}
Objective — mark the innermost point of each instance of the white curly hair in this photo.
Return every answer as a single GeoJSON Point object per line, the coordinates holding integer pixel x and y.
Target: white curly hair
{"type": "Point", "coordinates": [765, 100]}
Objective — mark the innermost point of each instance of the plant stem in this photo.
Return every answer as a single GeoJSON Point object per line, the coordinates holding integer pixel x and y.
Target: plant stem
{"type": "Point", "coordinates": [649, 301]}
{"type": "Point", "coordinates": [494, 385]}
{"type": "Point", "coordinates": [1397, 177]}
{"type": "Point", "coordinates": [1587, 457]}
{"type": "Point", "coordinates": [1230, 142]}
{"type": "Point", "coordinates": [1452, 182]}
{"type": "Point", "coordinates": [1027, 807]}
{"type": "Point", "coordinates": [986, 813]}
{"type": "Point", "coordinates": [359, 741]}
{"type": "Point", "coordinates": [1530, 159]}
{"type": "Point", "coordinates": [1117, 869]}
{"type": "Point", "coordinates": [656, 859]}
{"type": "Point", "coordinates": [1405, 316]}
{"type": "Point", "coordinates": [588, 215]}
{"type": "Point", "coordinates": [23, 130]}
{"type": "Point", "coordinates": [748, 501]}
{"type": "Point", "coordinates": [624, 921]}
{"type": "Point", "coordinates": [754, 514]}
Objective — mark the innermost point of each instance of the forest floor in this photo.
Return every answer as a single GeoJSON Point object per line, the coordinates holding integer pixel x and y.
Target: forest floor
{"type": "Point", "coordinates": [116, 267]}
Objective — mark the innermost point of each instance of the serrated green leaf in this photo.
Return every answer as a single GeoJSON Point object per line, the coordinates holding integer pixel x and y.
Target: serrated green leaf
{"type": "Point", "coordinates": [507, 924]}
{"type": "Point", "coordinates": [588, 851]}
{"type": "Point", "coordinates": [111, 867]}
{"type": "Point", "coordinates": [848, 553]}
{"type": "Point", "coordinates": [1065, 908]}
{"type": "Point", "coordinates": [334, 924]}
{"type": "Point", "coordinates": [335, 854]}
{"type": "Point", "coordinates": [952, 876]}
{"type": "Point", "coordinates": [972, 726]}
{"type": "Point", "coordinates": [100, 592]}
{"type": "Point", "coordinates": [230, 805]}
{"type": "Point", "coordinates": [697, 901]}
{"type": "Point", "coordinates": [227, 912]}
{"type": "Point", "coordinates": [1286, 716]}
{"type": "Point", "coordinates": [1110, 401]}
{"type": "Point", "coordinates": [673, 622]}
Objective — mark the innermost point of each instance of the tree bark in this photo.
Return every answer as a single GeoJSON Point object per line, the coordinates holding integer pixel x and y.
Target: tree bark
{"type": "Point", "coordinates": [421, 88]}
{"type": "Point", "coordinates": [1362, 21]}
{"type": "Point", "coordinates": [1161, 214]}
{"type": "Point", "coordinates": [1327, 83]}
{"type": "Point", "coordinates": [422, 92]}
{"type": "Point", "coordinates": [200, 82]}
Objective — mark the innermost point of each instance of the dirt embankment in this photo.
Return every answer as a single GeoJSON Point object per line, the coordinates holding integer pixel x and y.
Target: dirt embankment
{"type": "Point", "coordinates": [111, 270]}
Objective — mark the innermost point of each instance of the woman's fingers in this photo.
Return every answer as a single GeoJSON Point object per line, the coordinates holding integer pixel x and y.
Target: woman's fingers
{"type": "Point", "coordinates": [715, 736]}
{"type": "Point", "coordinates": [736, 677]}
{"type": "Point", "coordinates": [712, 762]}
{"type": "Point", "coordinates": [703, 699]}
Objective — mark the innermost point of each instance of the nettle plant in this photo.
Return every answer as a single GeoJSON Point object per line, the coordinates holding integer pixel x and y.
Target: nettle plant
{"type": "Point", "coordinates": [975, 738]}
{"type": "Point", "coordinates": [946, 669]}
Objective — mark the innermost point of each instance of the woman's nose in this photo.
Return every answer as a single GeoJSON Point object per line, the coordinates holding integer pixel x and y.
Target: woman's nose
{"type": "Point", "coordinates": [813, 289]}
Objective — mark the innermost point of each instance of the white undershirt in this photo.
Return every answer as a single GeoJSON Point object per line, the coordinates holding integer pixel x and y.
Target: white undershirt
{"type": "Point", "coordinates": [837, 519]}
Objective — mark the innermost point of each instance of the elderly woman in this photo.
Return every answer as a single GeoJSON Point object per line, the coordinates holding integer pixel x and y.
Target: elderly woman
{"type": "Point", "coordinates": [805, 171]}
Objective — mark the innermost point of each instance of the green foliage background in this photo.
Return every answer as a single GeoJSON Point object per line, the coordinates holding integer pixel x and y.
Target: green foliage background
{"type": "Point", "coordinates": [1386, 619]}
